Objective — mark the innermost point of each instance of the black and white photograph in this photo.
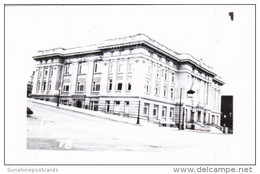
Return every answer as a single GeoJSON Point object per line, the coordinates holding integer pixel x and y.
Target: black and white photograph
{"type": "Point", "coordinates": [130, 84]}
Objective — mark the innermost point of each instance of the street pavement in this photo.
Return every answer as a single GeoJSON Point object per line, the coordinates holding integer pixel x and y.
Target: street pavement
{"type": "Point", "coordinates": [54, 128]}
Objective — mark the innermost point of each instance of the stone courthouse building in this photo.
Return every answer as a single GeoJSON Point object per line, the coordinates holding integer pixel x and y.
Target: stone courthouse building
{"type": "Point", "coordinates": [131, 76]}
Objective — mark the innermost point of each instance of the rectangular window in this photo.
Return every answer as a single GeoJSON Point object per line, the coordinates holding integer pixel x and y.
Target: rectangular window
{"type": "Point", "coordinates": [120, 68]}
{"type": "Point", "coordinates": [156, 89]}
{"type": "Point", "coordinates": [40, 73]}
{"type": "Point", "coordinates": [164, 111]}
{"type": "Point", "coordinates": [165, 91]}
{"type": "Point", "coordinates": [95, 67]}
{"type": "Point", "coordinates": [43, 86]}
{"type": "Point", "coordinates": [148, 69]}
{"type": "Point", "coordinates": [129, 86]}
{"type": "Point", "coordinates": [173, 77]}
{"type": "Point", "coordinates": [147, 86]}
{"type": "Point", "coordinates": [66, 71]}
{"type": "Point", "coordinates": [80, 68]}
{"type": "Point", "coordinates": [165, 75]}
{"type": "Point", "coordinates": [157, 72]}
{"type": "Point", "coordinates": [110, 68]}
{"type": "Point", "coordinates": [38, 86]}
{"type": "Point", "coordinates": [155, 110]}
{"type": "Point", "coordinates": [162, 72]}
{"type": "Point", "coordinates": [51, 71]}
{"type": "Point", "coordinates": [171, 112]}
{"type": "Point", "coordinates": [110, 83]}
{"type": "Point", "coordinates": [66, 88]}
{"type": "Point", "coordinates": [80, 86]}
{"type": "Point", "coordinates": [146, 108]}
{"type": "Point", "coordinates": [130, 67]}
{"type": "Point", "coordinates": [119, 86]}
{"type": "Point", "coordinates": [172, 93]}
{"type": "Point", "coordinates": [96, 86]}
{"type": "Point", "coordinates": [45, 72]}
{"type": "Point", "coordinates": [49, 86]}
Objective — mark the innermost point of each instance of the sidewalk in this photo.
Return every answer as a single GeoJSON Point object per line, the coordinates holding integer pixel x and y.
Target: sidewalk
{"type": "Point", "coordinates": [126, 120]}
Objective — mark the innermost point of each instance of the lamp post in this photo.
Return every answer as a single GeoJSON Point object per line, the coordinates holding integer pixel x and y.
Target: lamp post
{"type": "Point", "coordinates": [58, 97]}
{"type": "Point", "coordinates": [138, 116]}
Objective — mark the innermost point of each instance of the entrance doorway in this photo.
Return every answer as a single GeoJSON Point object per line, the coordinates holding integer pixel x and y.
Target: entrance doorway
{"type": "Point", "coordinates": [78, 104]}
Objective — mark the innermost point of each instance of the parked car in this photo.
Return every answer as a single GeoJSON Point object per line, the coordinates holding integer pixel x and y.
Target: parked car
{"type": "Point", "coordinates": [29, 111]}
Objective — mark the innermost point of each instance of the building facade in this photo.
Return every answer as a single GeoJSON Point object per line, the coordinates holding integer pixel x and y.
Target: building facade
{"type": "Point", "coordinates": [133, 76]}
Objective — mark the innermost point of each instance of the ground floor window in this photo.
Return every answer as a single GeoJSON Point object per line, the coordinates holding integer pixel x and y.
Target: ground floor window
{"type": "Point", "coordinates": [94, 105]}
{"type": "Point", "coordinates": [164, 111]}
{"type": "Point", "coordinates": [155, 110]}
{"type": "Point", "coordinates": [146, 108]}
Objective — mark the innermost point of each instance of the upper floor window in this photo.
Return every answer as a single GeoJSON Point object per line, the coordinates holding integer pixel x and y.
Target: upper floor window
{"type": "Point", "coordinates": [95, 67]}
{"type": "Point", "coordinates": [173, 77]}
{"type": "Point", "coordinates": [67, 69]}
{"type": "Point", "coordinates": [120, 68]}
{"type": "Point", "coordinates": [156, 88]}
{"type": "Point", "coordinates": [66, 87]}
{"type": "Point", "coordinates": [157, 72]}
{"type": "Point", "coordinates": [45, 72]}
{"type": "Point", "coordinates": [172, 93]}
{"type": "Point", "coordinates": [38, 85]}
{"type": "Point", "coordinates": [164, 90]}
{"type": "Point", "coordinates": [51, 71]}
{"type": "Point", "coordinates": [147, 86]}
{"type": "Point", "coordinates": [165, 75]}
{"type": "Point", "coordinates": [111, 68]}
{"type": "Point", "coordinates": [119, 86]}
{"type": "Point", "coordinates": [80, 68]}
{"type": "Point", "coordinates": [80, 86]}
{"type": "Point", "coordinates": [43, 86]}
{"type": "Point", "coordinates": [130, 67]}
{"type": "Point", "coordinates": [40, 73]}
{"type": "Point", "coordinates": [96, 86]}
{"type": "Point", "coordinates": [110, 83]}
{"type": "Point", "coordinates": [129, 86]}
{"type": "Point", "coordinates": [49, 86]}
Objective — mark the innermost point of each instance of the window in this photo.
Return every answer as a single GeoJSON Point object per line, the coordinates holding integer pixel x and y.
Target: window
{"type": "Point", "coordinates": [129, 86]}
{"type": "Point", "coordinates": [172, 93]}
{"type": "Point", "coordinates": [117, 102]}
{"type": "Point", "coordinates": [165, 75]}
{"type": "Point", "coordinates": [43, 86]}
{"type": "Point", "coordinates": [40, 74]}
{"type": "Point", "coordinates": [96, 86]}
{"type": "Point", "coordinates": [80, 68]}
{"type": "Point", "coordinates": [173, 77]}
{"type": "Point", "coordinates": [146, 108]}
{"type": "Point", "coordinates": [111, 68]}
{"type": "Point", "coordinates": [110, 83]}
{"type": "Point", "coordinates": [164, 111]}
{"type": "Point", "coordinates": [66, 71]}
{"type": "Point", "coordinates": [155, 110]}
{"type": "Point", "coordinates": [49, 86]}
{"type": "Point", "coordinates": [66, 88]}
{"type": "Point", "coordinates": [130, 67]}
{"type": "Point", "coordinates": [38, 86]}
{"type": "Point", "coordinates": [162, 72]}
{"type": "Point", "coordinates": [164, 90]}
{"type": "Point", "coordinates": [156, 88]}
{"type": "Point", "coordinates": [157, 72]}
{"type": "Point", "coordinates": [119, 86]}
{"type": "Point", "coordinates": [120, 68]}
{"type": "Point", "coordinates": [148, 69]}
{"type": "Point", "coordinates": [45, 72]}
{"type": "Point", "coordinates": [171, 112]}
{"type": "Point", "coordinates": [147, 86]}
{"type": "Point", "coordinates": [80, 86]}
{"type": "Point", "coordinates": [51, 71]}
{"type": "Point", "coordinates": [95, 67]}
